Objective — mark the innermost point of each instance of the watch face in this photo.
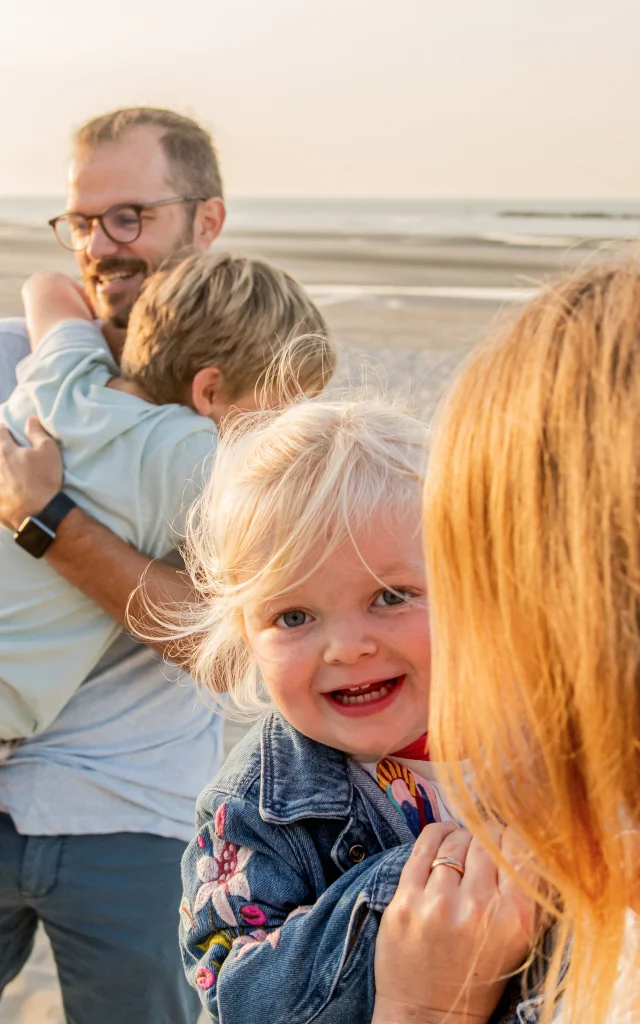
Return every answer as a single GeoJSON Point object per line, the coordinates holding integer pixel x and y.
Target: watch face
{"type": "Point", "coordinates": [33, 537]}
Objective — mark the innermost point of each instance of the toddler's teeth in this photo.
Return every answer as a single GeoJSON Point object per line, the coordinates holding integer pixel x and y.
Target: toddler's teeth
{"type": "Point", "coordinates": [363, 698]}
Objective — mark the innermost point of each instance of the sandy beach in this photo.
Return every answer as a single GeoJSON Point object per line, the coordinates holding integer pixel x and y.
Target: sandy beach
{"type": "Point", "coordinates": [404, 310]}
{"type": "Point", "coordinates": [410, 307]}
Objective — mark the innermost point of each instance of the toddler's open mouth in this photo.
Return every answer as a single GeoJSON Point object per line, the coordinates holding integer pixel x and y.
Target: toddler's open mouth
{"type": "Point", "coordinates": [370, 695]}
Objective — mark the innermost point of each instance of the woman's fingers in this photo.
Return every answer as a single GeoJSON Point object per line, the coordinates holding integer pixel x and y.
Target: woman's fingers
{"type": "Point", "coordinates": [519, 858]}
{"type": "Point", "coordinates": [518, 890]}
{"type": "Point", "coordinates": [417, 869]}
{"type": "Point", "coordinates": [481, 869]}
{"type": "Point", "coordinates": [453, 847]}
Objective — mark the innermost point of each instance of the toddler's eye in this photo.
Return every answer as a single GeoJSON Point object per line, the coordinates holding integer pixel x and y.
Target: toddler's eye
{"type": "Point", "coordinates": [389, 598]}
{"type": "Point", "coordinates": [291, 619]}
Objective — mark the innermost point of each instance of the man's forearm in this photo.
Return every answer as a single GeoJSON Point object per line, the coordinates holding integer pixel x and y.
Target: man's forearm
{"type": "Point", "coordinates": [88, 555]}
{"type": "Point", "coordinates": [109, 571]}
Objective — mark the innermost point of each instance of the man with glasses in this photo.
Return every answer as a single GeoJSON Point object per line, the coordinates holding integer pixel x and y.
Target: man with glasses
{"type": "Point", "coordinates": [96, 811]}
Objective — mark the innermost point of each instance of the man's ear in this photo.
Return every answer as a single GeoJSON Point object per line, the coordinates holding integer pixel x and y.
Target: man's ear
{"type": "Point", "coordinates": [207, 392]}
{"type": "Point", "coordinates": [208, 222]}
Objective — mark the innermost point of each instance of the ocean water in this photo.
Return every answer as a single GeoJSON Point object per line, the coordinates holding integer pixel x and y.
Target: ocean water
{"type": "Point", "coordinates": [522, 222]}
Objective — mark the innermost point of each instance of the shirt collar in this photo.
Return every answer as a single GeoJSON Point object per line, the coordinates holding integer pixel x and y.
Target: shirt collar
{"type": "Point", "coordinates": [300, 778]}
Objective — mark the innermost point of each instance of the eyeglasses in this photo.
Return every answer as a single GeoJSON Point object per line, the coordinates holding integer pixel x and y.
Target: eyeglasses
{"type": "Point", "coordinates": [121, 223]}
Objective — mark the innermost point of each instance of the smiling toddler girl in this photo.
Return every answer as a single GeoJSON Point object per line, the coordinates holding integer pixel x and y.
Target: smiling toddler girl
{"type": "Point", "coordinates": [306, 548]}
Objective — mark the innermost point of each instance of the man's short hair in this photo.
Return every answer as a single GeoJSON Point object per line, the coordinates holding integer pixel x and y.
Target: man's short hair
{"type": "Point", "coordinates": [188, 147]}
{"type": "Point", "coordinates": [232, 312]}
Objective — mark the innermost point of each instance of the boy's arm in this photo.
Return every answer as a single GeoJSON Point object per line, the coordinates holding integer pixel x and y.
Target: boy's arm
{"type": "Point", "coordinates": [49, 299]}
{"type": "Point", "coordinates": [87, 554]}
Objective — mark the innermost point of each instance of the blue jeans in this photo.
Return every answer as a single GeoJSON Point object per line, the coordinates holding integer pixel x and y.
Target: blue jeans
{"type": "Point", "coordinates": [109, 904]}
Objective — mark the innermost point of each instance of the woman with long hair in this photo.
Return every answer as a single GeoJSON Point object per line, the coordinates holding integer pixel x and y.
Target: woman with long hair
{"type": "Point", "coordinates": [532, 534]}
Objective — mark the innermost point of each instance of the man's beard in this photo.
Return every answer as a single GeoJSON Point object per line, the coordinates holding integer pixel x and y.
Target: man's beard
{"type": "Point", "coordinates": [118, 317]}
{"type": "Point", "coordinates": [119, 320]}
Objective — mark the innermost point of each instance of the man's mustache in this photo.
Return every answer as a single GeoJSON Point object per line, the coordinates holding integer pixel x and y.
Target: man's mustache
{"type": "Point", "coordinates": [108, 265]}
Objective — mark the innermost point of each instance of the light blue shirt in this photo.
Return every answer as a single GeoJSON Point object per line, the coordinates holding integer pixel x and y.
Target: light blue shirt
{"type": "Point", "coordinates": [132, 748]}
{"type": "Point", "coordinates": [133, 465]}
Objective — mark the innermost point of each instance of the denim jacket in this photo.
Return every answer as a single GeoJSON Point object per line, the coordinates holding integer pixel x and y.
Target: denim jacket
{"type": "Point", "coordinates": [298, 853]}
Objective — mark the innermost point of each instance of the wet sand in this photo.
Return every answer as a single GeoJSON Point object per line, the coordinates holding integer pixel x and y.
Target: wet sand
{"type": "Point", "coordinates": [415, 309]}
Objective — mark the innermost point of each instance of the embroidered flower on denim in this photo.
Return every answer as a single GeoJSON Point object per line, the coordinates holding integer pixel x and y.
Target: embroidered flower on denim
{"type": "Point", "coordinates": [220, 820]}
{"type": "Point", "coordinates": [245, 943]}
{"type": "Point", "coordinates": [223, 876]}
{"type": "Point", "coordinates": [185, 913]}
{"type": "Point", "coordinates": [253, 915]}
{"type": "Point", "coordinates": [205, 978]}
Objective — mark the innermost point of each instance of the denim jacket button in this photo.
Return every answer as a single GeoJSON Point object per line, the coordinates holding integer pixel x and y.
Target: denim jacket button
{"type": "Point", "coordinates": [357, 853]}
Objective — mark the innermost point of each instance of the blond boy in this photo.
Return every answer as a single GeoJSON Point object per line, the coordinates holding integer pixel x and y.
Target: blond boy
{"type": "Point", "coordinates": [201, 338]}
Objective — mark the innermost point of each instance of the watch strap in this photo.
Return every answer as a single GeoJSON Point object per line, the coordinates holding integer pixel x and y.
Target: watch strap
{"type": "Point", "coordinates": [54, 512]}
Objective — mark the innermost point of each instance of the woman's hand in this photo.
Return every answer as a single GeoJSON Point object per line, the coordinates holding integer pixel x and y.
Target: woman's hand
{"type": "Point", "coordinates": [448, 941]}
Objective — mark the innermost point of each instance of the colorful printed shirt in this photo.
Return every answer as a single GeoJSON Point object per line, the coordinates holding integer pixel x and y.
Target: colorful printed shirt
{"type": "Point", "coordinates": [414, 794]}
{"type": "Point", "coordinates": [412, 784]}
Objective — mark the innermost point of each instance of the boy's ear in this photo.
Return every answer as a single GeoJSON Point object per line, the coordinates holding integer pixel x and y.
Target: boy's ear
{"type": "Point", "coordinates": [207, 391]}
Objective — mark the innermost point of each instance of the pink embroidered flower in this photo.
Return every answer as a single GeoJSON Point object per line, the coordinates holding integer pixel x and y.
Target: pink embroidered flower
{"type": "Point", "coordinates": [245, 943]}
{"type": "Point", "coordinates": [252, 915]}
{"type": "Point", "coordinates": [223, 876]}
{"type": "Point", "coordinates": [185, 913]}
{"type": "Point", "coordinates": [201, 842]}
{"type": "Point", "coordinates": [205, 978]}
{"type": "Point", "coordinates": [220, 820]}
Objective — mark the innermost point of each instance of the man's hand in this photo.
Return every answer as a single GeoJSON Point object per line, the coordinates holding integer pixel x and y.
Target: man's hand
{"type": "Point", "coordinates": [29, 477]}
{"type": "Point", "coordinates": [87, 554]}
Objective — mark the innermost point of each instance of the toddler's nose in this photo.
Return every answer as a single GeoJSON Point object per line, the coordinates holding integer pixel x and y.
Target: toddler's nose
{"type": "Point", "coordinates": [347, 645]}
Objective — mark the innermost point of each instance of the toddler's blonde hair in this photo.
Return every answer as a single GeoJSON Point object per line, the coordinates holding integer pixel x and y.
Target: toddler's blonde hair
{"type": "Point", "coordinates": [532, 533]}
{"type": "Point", "coordinates": [286, 490]}
{"type": "Point", "coordinates": [232, 312]}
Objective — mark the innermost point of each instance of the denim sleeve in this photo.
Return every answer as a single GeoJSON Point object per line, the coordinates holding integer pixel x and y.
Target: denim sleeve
{"type": "Point", "coordinates": [258, 942]}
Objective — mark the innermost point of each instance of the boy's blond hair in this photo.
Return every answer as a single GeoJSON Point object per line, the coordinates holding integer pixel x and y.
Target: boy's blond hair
{"type": "Point", "coordinates": [532, 532]}
{"type": "Point", "coordinates": [286, 490]}
{"type": "Point", "coordinates": [231, 312]}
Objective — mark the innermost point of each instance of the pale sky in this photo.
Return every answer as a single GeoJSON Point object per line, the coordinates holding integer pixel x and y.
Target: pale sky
{"type": "Point", "coordinates": [393, 98]}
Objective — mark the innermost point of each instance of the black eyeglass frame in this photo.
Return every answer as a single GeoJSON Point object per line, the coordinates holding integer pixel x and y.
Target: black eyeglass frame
{"type": "Point", "coordinates": [137, 208]}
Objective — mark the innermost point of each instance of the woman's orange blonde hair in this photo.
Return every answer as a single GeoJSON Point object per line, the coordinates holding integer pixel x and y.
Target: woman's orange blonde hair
{"type": "Point", "coordinates": [532, 533]}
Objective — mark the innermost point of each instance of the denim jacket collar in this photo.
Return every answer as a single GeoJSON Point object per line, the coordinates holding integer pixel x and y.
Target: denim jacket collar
{"type": "Point", "coordinates": [300, 778]}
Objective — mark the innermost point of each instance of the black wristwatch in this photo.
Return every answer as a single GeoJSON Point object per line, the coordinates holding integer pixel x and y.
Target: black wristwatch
{"type": "Point", "coordinates": [37, 533]}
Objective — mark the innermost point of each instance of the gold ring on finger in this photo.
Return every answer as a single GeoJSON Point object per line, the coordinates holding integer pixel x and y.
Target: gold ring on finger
{"type": "Point", "coordinates": [448, 862]}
